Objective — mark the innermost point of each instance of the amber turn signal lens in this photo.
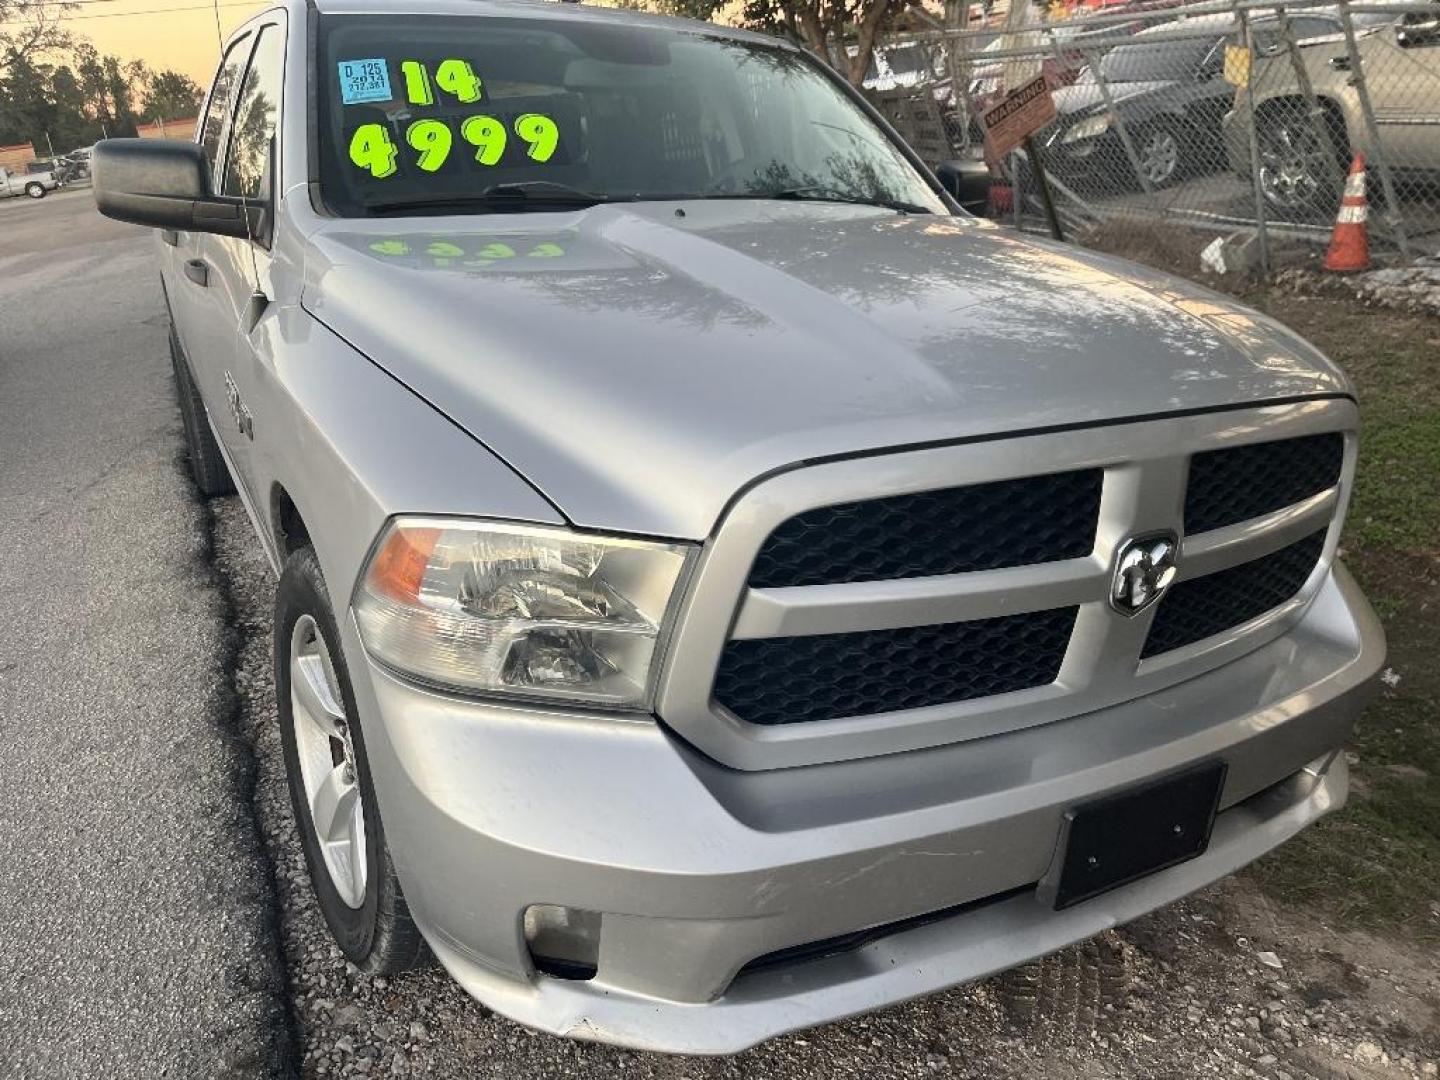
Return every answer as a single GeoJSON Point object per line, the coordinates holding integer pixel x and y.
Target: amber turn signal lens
{"type": "Point", "coordinates": [399, 567]}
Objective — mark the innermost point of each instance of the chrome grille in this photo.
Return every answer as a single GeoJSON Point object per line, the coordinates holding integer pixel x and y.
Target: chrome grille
{"type": "Point", "coordinates": [770, 676]}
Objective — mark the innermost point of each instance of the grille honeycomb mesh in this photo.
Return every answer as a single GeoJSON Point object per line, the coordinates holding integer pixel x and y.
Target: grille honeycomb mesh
{"type": "Point", "coordinates": [1196, 609]}
{"type": "Point", "coordinates": [1242, 482]}
{"type": "Point", "coordinates": [797, 680]}
{"type": "Point", "coordinates": [1034, 519]}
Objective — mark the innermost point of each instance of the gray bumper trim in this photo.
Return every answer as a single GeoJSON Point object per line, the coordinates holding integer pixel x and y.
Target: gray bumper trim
{"type": "Point", "coordinates": [907, 964]}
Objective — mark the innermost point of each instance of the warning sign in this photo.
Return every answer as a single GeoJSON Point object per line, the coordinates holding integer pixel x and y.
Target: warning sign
{"type": "Point", "coordinates": [1023, 112]}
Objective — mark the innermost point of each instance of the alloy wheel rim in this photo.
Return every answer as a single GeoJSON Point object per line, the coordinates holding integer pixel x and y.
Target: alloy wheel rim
{"type": "Point", "coordinates": [1159, 156]}
{"type": "Point", "coordinates": [1290, 164]}
{"type": "Point", "coordinates": [326, 755]}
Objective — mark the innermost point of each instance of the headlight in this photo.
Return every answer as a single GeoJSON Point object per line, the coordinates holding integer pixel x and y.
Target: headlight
{"type": "Point", "coordinates": [520, 610]}
{"type": "Point", "coordinates": [1088, 129]}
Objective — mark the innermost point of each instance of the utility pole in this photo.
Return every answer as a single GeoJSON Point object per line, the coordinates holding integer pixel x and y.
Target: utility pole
{"type": "Point", "coordinates": [50, 144]}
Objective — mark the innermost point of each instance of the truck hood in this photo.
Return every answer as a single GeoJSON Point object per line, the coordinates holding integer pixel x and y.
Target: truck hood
{"type": "Point", "coordinates": [642, 363]}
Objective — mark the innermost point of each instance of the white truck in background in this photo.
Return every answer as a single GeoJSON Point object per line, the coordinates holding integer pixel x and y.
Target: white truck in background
{"type": "Point", "coordinates": [35, 185]}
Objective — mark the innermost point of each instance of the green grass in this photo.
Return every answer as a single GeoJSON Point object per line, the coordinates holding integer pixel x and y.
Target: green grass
{"type": "Point", "coordinates": [1397, 501]}
{"type": "Point", "coordinates": [1376, 864]}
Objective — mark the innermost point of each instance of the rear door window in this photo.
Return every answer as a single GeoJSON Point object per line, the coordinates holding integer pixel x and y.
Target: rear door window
{"type": "Point", "coordinates": [221, 94]}
{"type": "Point", "coordinates": [257, 114]}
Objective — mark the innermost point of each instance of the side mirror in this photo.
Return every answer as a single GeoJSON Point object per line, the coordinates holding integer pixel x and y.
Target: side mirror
{"type": "Point", "coordinates": [968, 182]}
{"type": "Point", "coordinates": [165, 184]}
{"type": "Point", "coordinates": [1417, 29]}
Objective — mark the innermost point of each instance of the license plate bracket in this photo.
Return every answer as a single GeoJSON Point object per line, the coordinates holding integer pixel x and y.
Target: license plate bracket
{"type": "Point", "coordinates": [1126, 836]}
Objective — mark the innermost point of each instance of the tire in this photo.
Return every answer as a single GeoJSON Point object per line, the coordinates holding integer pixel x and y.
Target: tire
{"type": "Point", "coordinates": [1301, 166]}
{"type": "Point", "coordinates": [35, 191]}
{"type": "Point", "coordinates": [1161, 149]}
{"type": "Point", "coordinates": [370, 921]}
{"type": "Point", "coordinates": [207, 466]}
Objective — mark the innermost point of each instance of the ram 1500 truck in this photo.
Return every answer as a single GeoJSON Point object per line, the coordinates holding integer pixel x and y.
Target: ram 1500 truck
{"type": "Point", "coordinates": [722, 586]}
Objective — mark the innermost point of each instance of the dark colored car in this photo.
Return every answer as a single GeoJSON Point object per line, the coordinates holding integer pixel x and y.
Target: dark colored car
{"type": "Point", "coordinates": [1167, 90]}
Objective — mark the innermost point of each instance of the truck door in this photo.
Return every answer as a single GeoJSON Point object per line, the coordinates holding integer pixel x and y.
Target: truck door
{"type": "Point", "coordinates": [204, 318]}
{"type": "Point", "coordinates": [239, 268]}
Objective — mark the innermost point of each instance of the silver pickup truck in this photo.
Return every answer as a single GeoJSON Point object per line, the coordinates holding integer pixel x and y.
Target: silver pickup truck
{"type": "Point", "coordinates": [722, 586]}
{"type": "Point", "coordinates": [34, 185]}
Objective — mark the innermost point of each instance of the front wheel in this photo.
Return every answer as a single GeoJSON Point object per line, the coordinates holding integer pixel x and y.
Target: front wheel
{"type": "Point", "coordinates": [331, 788]}
{"type": "Point", "coordinates": [35, 191]}
{"type": "Point", "coordinates": [1299, 167]}
{"type": "Point", "coordinates": [1158, 149]}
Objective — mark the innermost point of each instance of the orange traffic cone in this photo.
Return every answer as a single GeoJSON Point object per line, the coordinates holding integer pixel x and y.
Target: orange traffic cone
{"type": "Point", "coordinates": [1350, 242]}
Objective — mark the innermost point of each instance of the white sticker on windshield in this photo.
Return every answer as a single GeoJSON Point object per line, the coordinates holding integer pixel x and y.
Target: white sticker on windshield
{"type": "Point", "coordinates": [364, 80]}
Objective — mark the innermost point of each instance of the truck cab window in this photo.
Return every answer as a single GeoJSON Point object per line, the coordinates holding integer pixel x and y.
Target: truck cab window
{"type": "Point", "coordinates": [256, 116]}
{"type": "Point", "coordinates": [218, 107]}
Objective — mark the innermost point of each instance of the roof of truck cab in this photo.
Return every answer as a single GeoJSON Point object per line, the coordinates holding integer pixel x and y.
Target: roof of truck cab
{"type": "Point", "coordinates": [534, 9]}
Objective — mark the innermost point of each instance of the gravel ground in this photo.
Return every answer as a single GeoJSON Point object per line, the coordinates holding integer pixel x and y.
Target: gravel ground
{"type": "Point", "coordinates": [138, 935]}
{"type": "Point", "coordinates": [1222, 985]}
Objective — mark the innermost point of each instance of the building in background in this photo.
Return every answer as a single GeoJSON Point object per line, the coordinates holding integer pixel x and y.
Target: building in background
{"type": "Point", "coordinates": [169, 129]}
{"type": "Point", "coordinates": [17, 157]}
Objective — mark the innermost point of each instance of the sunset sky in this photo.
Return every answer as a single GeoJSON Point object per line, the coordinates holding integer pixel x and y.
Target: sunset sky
{"type": "Point", "coordinates": [182, 39]}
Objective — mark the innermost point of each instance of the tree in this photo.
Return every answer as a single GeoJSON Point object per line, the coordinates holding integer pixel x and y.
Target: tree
{"type": "Point", "coordinates": [823, 26]}
{"type": "Point", "coordinates": [170, 95]}
{"type": "Point", "coordinates": [30, 30]}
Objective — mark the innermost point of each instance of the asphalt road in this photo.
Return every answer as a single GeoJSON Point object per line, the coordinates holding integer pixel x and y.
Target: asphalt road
{"type": "Point", "coordinates": [137, 935]}
{"type": "Point", "coordinates": [157, 920]}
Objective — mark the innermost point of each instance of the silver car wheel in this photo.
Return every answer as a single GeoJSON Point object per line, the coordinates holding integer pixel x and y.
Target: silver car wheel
{"type": "Point", "coordinates": [1159, 156]}
{"type": "Point", "coordinates": [327, 761]}
{"type": "Point", "coordinates": [1292, 166]}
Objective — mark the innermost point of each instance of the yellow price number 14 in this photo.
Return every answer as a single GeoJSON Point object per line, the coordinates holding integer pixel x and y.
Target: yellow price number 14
{"type": "Point", "coordinates": [456, 77]}
{"type": "Point", "coordinates": [372, 148]}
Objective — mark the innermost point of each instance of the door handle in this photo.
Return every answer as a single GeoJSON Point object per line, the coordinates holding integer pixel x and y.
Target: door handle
{"type": "Point", "coordinates": [198, 272]}
{"type": "Point", "coordinates": [170, 236]}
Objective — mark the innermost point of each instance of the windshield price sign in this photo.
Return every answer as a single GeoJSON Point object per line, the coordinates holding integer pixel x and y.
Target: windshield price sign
{"type": "Point", "coordinates": [1023, 112]}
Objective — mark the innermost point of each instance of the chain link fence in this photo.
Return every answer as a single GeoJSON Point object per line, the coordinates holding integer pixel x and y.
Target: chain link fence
{"type": "Point", "coordinates": [1241, 116]}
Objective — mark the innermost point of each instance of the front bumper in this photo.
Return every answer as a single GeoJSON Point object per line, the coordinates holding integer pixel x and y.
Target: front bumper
{"type": "Point", "coordinates": [700, 870]}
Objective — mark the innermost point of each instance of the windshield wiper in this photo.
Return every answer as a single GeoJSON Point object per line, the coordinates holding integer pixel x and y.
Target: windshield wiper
{"type": "Point", "coordinates": [821, 194]}
{"type": "Point", "coordinates": [523, 194]}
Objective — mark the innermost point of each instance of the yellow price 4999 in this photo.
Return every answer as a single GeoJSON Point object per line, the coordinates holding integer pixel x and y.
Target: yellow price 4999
{"type": "Point", "coordinates": [373, 149]}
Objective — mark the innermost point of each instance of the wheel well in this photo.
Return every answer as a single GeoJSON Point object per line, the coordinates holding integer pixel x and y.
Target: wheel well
{"type": "Point", "coordinates": [291, 533]}
{"type": "Point", "coordinates": [1295, 106]}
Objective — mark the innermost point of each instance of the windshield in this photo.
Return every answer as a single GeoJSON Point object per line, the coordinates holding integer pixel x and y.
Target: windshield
{"type": "Point", "coordinates": [1156, 61]}
{"type": "Point", "coordinates": [418, 112]}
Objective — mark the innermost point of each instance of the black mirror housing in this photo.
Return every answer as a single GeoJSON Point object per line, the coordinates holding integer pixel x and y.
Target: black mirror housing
{"type": "Point", "coordinates": [165, 184]}
{"type": "Point", "coordinates": [968, 182]}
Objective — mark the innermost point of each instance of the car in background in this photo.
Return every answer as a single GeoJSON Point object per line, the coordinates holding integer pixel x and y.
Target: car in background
{"type": "Point", "coordinates": [1303, 158]}
{"type": "Point", "coordinates": [34, 185]}
{"type": "Point", "coordinates": [1169, 93]}
{"type": "Point", "coordinates": [1166, 88]}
